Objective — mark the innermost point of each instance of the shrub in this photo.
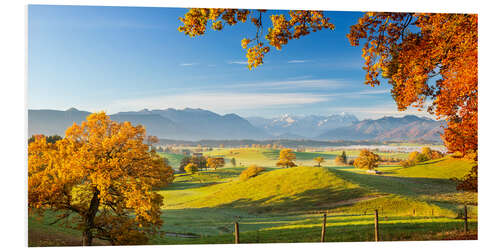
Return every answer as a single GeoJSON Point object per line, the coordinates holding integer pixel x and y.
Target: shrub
{"type": "Point", "coordinates": [468, 182]}
{"type": "Point", "coordinates": [250, 172]}
{"type": "Point", "coordinates": [436, 154]}
{"type": "Point", "coordinates": [191, 168]}
{"type": "Point", "coordinates": [422, 158]}
{"type": "Point", "coordinates": [427, 152]}
{"type": "Point", "coordinates": [406, 163]}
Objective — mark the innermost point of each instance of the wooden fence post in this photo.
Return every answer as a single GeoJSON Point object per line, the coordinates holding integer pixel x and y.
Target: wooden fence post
{"type": "Point", "coordinates": [323, 229]}
{"type": "Point", "coordinates": [236, 233]}
{"type": "Point", "coordinates": [376, 225]}
{"type": "Point", "coordinates": [465, 218]}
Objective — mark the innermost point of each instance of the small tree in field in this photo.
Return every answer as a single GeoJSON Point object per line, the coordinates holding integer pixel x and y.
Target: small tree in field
{"type": "Point", "coordinates": [215, 162]}
{"type": "Point", "coordinates": [191, 168]}
{"type": "Point", "coordinates": [341, 159]}
{"type": "Point", "coordinates": [199, 161]}
{"type": "Point", "coordinates": [233, 162]}
{"type": "Point", "coordinates": [104, 173]}
{"type": "Point", "coordinates": [287, 156]}
{"type": "Point", "coordinates": [319, 160]}
{"type": "Point", "coordinates": [367, 160]}
{"type": "Point", "coordinates": [427, 152]}
{"type": "Point", "coordinates": [184, 161]}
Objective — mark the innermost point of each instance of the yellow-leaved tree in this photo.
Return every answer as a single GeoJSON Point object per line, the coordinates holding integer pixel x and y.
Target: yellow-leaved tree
{"type": "Point", "coordinates": [287, 156]}
{"type": "Point", "coordinates": [215, 162]}
{"type": "Point", "coordinates": [103, 173]}
{"type": "Point", "coordinates": [319, 160]}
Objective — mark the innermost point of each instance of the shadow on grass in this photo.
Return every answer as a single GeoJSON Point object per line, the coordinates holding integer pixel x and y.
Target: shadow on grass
{"type": "Point", "coordinates": [412, 186]}
{"type": "Point", "coordinates": [312, 199]}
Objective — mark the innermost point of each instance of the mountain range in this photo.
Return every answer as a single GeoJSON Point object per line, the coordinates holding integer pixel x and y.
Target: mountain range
{"type": "Point", "coordinates": [199, 124]}
{"type": "Point", "coordinates": [296, 127]}
{"type": "Point", "coordinates": [388, 128]}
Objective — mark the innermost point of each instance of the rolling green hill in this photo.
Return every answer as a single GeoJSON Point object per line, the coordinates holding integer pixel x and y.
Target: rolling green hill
{"type": "Point", "coordinates": [443, 168]}
{"type": "Point", "coordinates": [289, 189]}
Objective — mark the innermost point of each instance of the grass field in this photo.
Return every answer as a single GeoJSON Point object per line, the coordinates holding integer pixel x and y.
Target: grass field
{"type": "Point", "coordinates": [174, 159]}
{"type": "Point", "coordinates": [283, 205]}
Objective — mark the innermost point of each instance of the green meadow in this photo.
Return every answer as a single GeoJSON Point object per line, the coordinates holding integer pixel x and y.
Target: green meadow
{"type": "Point", "coordinates": [287, 205]}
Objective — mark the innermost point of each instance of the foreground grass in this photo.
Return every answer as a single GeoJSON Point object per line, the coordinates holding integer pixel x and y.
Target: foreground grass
{"type": "Point", "coordinates": [339, 229]}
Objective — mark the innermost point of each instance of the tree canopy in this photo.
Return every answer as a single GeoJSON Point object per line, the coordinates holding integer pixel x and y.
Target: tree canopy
{"type": "Point", "coordinates": [430, 60]}
{"type": "Point", "coordinates": [367, 160]}
{"type": "Point", "coordinates": [319, 160]}
{"type": "Point", "coordinates": [287, 156]}
{"type": "Point", "coordinates": [296, 24]}
{"type": "Point", "coordinates": [104, 173]}
{"type": "Point", "coordinates": [215, 162]}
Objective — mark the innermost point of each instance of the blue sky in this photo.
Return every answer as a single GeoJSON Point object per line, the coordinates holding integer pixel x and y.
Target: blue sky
{"type": "Point", "coordinates": [122, 58]}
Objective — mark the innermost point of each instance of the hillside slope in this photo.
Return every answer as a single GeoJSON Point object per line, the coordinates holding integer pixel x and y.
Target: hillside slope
{"type": "Point", "coordinates": [289, 189]}
{"type": "Point", "coordinates": [444, 168]}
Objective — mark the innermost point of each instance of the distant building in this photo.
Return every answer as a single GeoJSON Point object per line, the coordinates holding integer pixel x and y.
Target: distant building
{"type": "Point", "coordinates": [197, 154]}
{"type": "Point", "coordinates": [186, 152]}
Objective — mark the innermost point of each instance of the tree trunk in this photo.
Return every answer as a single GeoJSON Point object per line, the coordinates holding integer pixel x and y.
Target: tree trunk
{"type": "Point", "coordinates": [89, 219]}
{"type": "Point", "coordinates": [87, 237]}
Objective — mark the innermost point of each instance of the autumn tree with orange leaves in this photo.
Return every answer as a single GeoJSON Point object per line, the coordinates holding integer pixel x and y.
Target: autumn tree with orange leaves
{"type": "Point", "coordinates": [431, 62]}
{"type": "Point", "coordinates": [429, 59]}
{"type": "Point", "coordinates": [103, 173]}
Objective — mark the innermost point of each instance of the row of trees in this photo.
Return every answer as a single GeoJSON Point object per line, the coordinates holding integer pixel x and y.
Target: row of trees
{"type": "Point", "coordinates": [416, 157]}
{"type": "Point", "coordinates": [195, 163]}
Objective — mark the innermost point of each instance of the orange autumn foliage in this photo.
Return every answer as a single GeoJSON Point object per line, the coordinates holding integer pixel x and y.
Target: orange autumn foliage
{"type": "Point", "coordinates": [426, 57]}
{"type": "Point", "coordinates": [283, 28]}
{"type": "Point", "coordinates": [104, 173]}
{"type": "Point", "coordinates": [215, 162]}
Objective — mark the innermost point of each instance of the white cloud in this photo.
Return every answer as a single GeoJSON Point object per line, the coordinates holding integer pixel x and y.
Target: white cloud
{"type": "Point", "coordinates": [374, 91]}
{"type": "Point", "coordinates": [238, 62]}
{"type": "Point", "coordinates": [314, 83]}
{"type": "Point", "coordinates": [187, 64]}
{"type": "Point", "coordinates": [219, 102]}
{"type": "Point", "coordinates": [297, 61]}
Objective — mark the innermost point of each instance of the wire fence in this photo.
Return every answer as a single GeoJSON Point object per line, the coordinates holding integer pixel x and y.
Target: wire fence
{"type": "Point", "coordinates": [244, 223]}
